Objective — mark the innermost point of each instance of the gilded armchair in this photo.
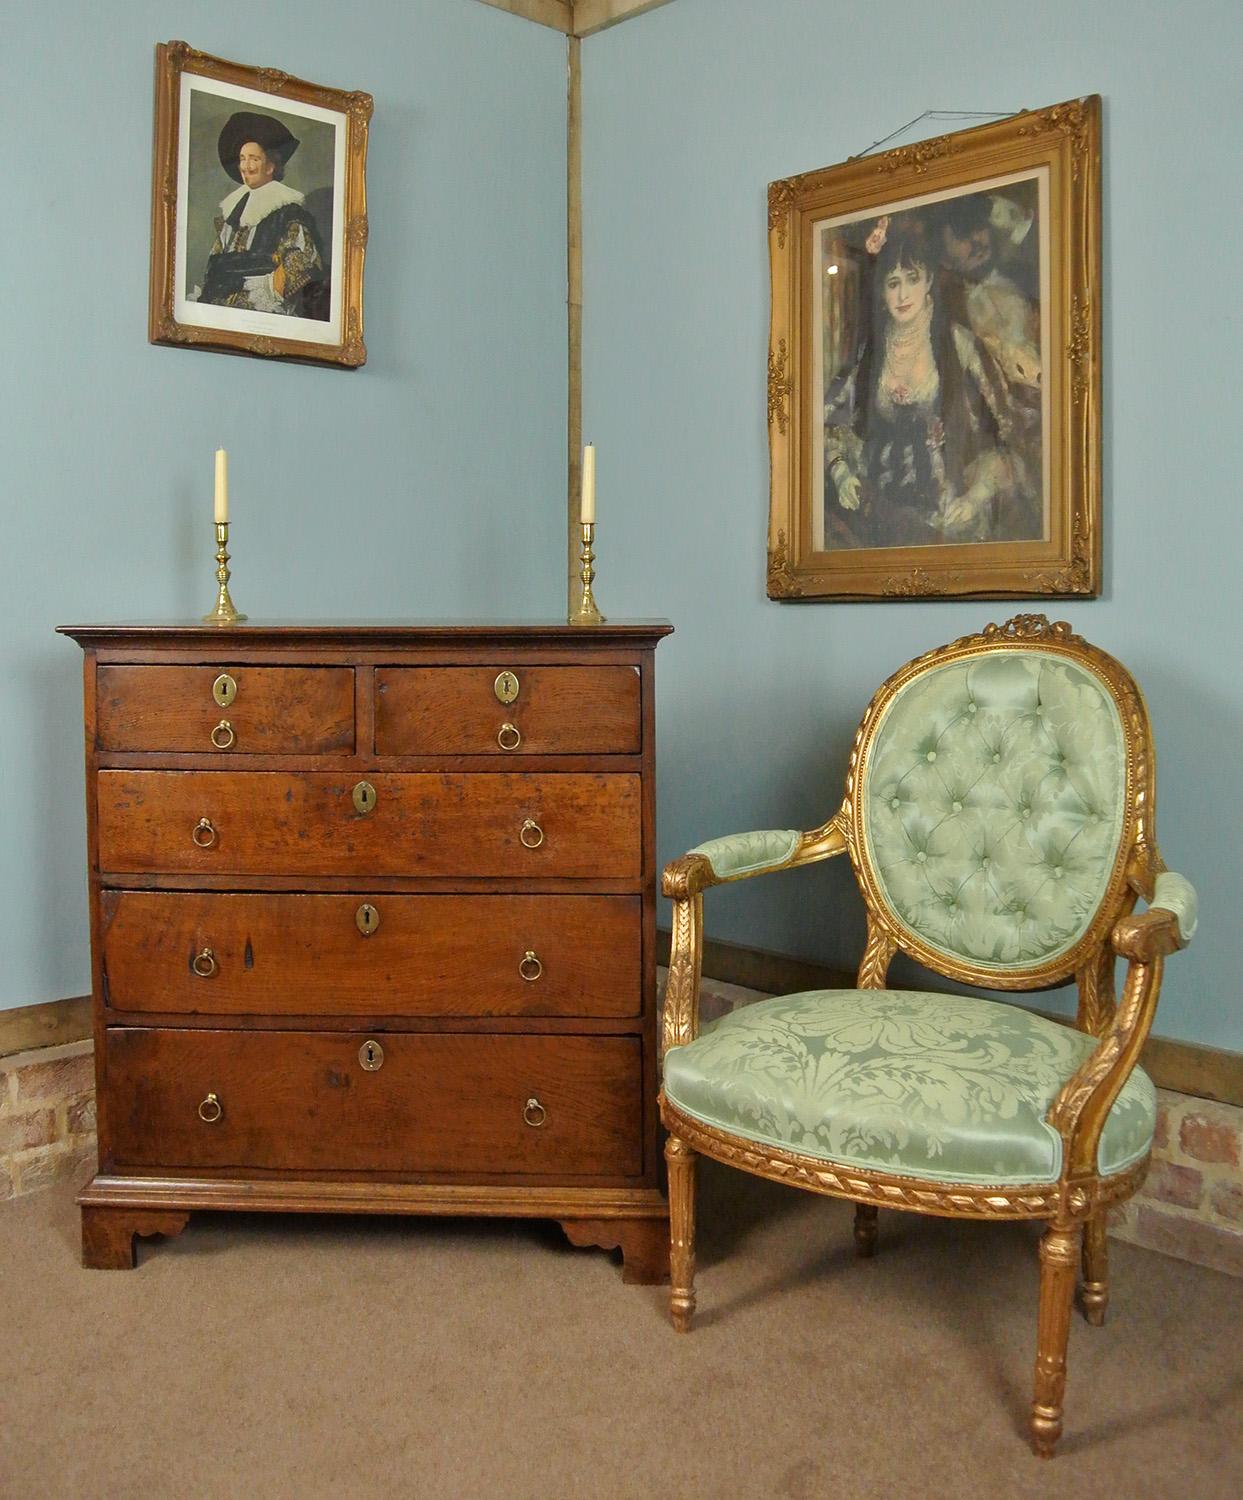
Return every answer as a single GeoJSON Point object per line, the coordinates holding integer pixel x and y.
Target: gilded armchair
{"type": "Point", "coordinates": [999, 820]}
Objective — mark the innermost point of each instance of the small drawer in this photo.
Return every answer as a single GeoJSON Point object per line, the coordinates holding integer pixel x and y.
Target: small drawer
{"type": "Point", "coordinates": [225, 710]}
{"type": "Point", "coordinates": [224, 954]}
{"type": "Point", "coordinates": [354, 1101]}
{"type": "Point", "coordinates": [507, 710]}
{"type": "Point", "coordinates": [321, 823]}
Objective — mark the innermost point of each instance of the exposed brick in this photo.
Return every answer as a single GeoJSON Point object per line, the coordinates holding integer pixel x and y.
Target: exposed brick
{"type": "Point", "coordinates": [1211, 1245]}
{"type": "Point", "coordinates": [1161, 1136]}
{"type": "Point", "coordinates": [1174, 1184]}
{"type": "Point", "coordinates": [8, 1187]}
{"type": "Point", "coordinates": [37, 1127]}
{"type": "Point", "coordinates": [39, 1169]}
{"type": "Point", "coordinates": [1205, 1139]}
{"type": "Point", "coordinates": [80, 1115]}
{"type": "Point", "coordinates": [56, 1072]}
{"type": "Point", "coordinates": [1226, 1201]}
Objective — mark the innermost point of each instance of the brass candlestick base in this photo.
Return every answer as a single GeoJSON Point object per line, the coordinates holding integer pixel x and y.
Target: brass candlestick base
{"type": "Point", "coordinates": [586, 612]}
{"type": "Point", "coordinates": [224, 612]}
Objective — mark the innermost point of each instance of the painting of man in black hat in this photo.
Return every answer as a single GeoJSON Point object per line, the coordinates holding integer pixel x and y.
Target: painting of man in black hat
{"type": "Point", "coordinates": [268, 252]}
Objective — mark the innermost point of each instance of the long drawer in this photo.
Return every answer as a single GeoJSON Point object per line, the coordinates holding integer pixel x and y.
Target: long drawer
{"type": "Point", "coordinates": [493, 710]}
{"type": "Point", "coordinates": [225, 710]}
{"type": "Point", "coordinates": [320, 823]}
{"type": "Point", "coordinates": [213, 953]}
{"type": "Point", "coordinates": [304, 1101]}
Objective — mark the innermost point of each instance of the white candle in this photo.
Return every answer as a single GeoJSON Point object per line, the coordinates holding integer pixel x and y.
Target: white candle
{"type": "Point", "coordinates": [222, 486]}
{"type": "Point", "coordinates": [588, 513]}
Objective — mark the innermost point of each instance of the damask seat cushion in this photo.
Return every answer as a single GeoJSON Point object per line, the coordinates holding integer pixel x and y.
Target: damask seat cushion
{"type": "Point", "coordinates": [948, 1088]}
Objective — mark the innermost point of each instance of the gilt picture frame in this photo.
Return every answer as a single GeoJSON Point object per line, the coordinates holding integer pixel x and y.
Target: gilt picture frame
{"type": "Point", "coordinates": [258, 211]}
{"type": "Point", "coordinates": [934, 372]}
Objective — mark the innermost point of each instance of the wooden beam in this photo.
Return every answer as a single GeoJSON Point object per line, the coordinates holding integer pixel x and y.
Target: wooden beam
{"type": "Point", "coordinates": [49, 1025]}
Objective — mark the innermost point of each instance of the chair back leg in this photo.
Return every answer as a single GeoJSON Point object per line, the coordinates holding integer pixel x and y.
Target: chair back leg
{"type": "Point", "coordinates": [1059, 1262]}
{"type": "Point", "coordinates": [681, 1161]}
{"type": "Point", "coordinates": [1095, 1289]}
{"type": "Point", "coordinates": [865, 1230]}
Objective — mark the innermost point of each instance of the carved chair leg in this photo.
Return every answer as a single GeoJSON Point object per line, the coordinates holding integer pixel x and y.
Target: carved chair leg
{"type": "Point", "coordinates": [1059, 1257]}
{"type": "Point", "coordinates": [681, 1161]}
{"type": "Point", "coordinates": [865, 1230]}
{"type": "Point", "coordinates": [1095, 1289]}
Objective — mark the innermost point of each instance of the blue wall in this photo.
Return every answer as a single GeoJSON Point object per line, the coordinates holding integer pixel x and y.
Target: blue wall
{"type": "Point", "coordinates": [689, 112]}
{"type": "Point", "coordinates": [431, 482]}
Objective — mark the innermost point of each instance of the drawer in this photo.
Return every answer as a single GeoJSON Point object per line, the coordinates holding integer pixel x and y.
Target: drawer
{"type": "Point", "coordinates": [499, 710]}
{"type": "Point", "coordinates": [209, 953]}
{"type": "Point", "coordinates": [302, 1101]}
{"type": "Point", "coordinates": [263, 710]}
{"type": "Point", "coordinates": [270, 822]}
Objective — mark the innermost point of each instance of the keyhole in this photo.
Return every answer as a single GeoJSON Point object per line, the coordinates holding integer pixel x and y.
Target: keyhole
{"type": "Point", "coordinates": [370, 1053]}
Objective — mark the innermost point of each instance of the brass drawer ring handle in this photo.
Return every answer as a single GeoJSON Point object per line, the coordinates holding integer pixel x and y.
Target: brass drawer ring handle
{"type": "Point", "coordinates": [530, 968]}
{"type": "Point", "coordinates": [210, 1110]}
{"type": "Point", "coordinates": [534, 1113]}
{"type": "Point", "coordinates": [531, 835]}
{"type": "Point", "coordinates": [222, 736]}
{"type": "Point", "coordinates": [204, 964]}
{"type": "Point", "coordinates": [203, 834]}
{"type": "Point", "coordinates": [509, 737]}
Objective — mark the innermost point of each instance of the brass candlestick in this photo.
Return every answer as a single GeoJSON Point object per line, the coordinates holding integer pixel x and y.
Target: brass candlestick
{"type": "Point", "coordinates": [586, 613]}
{"type": "Point", "coordinates": [224, 612]}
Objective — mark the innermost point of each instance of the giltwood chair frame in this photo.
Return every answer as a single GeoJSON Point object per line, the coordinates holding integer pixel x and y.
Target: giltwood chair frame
{"type": "Point", "coordinates": [1076, 1204]}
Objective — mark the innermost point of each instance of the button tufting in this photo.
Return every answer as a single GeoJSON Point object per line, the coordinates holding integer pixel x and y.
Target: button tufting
{"type": "Point", "coordinates": [894, 802]}
{"type": "Point", "coordinates": [1025, 812]}
{"type": "Point", "coordinates": [957, 806]}
{"type": "Point", "coordinates": [1058, 872]}
{"type": "Point", "coordinates": [985, 862]}
{"type": "Point", "coordinates": [931, 756]}
{"type": "Point", "coordinates": [972, 707]}
{"type": "Point", "coordinates": [996, 756]}
{"type": "Point", "coordinates": [921, 856]}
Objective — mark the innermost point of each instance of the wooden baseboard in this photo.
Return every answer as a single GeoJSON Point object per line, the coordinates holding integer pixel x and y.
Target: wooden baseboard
{"type": "Point", "coordinates": [1184, 1067]}
{"type": "Point", "coordinates": [48, 1025]}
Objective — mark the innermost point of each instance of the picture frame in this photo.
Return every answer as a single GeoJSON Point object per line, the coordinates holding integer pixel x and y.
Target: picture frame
{"type": "Point", "coordinates": [934, 373]}
{"type": "Point", "coordinates": [262, 255]}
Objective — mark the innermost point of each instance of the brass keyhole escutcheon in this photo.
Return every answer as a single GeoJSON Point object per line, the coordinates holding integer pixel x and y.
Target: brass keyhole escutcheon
{"type": "Point", "coordinates": [224, 690]}
{"type": "Point", "coordinates": [371, 1056]}
{"type": "Point", "coordinates": [506, 687]}
{"type": "Point", "coordinates": [365, 797]}
{"type": "Point", "coordinates": [366, 919]}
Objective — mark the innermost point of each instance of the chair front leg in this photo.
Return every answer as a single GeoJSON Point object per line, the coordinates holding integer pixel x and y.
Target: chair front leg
{"type": "Point", "coordinates": [681, 1161]}
{"type": "Point", "coordinates": [1059, 1260]}
{"type": "Point", "coordinates": [1095, 1289]}
{"type": "Point", "coordinates": [865, 1230]}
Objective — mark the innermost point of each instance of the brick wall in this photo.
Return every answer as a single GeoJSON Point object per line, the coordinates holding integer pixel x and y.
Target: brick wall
{"type": "Point", "coordinates": [47, 1116]}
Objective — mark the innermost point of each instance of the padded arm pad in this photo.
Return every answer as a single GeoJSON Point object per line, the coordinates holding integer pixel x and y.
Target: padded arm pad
{"type": "Point", "coordinates": [1177, 894]}
{"type": "Point", "coordinates": [739, 854]}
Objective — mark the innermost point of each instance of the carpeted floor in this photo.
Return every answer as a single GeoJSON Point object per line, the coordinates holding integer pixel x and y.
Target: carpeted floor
{"type": "Point", "coordinates": [444, 1360]}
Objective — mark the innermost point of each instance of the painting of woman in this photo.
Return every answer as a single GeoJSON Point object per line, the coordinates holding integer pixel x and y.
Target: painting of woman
{"type": "Point", "coordinates": [922, 442]}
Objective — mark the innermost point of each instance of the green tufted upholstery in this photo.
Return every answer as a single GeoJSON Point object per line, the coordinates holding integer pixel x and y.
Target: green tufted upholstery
{"type": "Point", "coordinates": [943, 1087]}
{"type": "Point", "coordinates": [994, 793]}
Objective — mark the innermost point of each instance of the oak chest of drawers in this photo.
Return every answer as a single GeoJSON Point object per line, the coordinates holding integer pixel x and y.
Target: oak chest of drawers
{"type": "Point", "coordinates": [372, 926]}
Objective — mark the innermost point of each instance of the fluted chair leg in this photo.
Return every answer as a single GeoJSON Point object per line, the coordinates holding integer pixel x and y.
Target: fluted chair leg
{"type": "Point", "coordinates": [865, 1230]}
{"type": "Point", "coordinates": [1095, 1289]}
{"type": "Point", "coordinates": [681, 1160]}
{"type": "Point", "coordinates": [1059, 1259]}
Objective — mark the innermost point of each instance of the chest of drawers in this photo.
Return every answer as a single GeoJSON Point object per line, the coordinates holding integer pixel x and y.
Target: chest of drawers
{"type": "Point", "coordinates": [372, 926]}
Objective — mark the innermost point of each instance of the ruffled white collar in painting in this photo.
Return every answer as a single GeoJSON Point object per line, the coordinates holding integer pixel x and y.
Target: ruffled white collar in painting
{"type": "Point", "coordinates": [263, 201]}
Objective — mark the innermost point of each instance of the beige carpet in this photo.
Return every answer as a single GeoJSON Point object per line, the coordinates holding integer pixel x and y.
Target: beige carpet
{"type": "Point", "coordinates": [256, 1357]}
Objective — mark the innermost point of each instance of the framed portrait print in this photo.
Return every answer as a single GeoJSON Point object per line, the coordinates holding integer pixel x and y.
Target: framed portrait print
{"type": "Point", "coordinates": [258, 211]}
{"type": "Point", "coordinates": [934, 367]}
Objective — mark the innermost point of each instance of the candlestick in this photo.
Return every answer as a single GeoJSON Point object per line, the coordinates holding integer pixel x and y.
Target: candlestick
{"type": "Point", "coordinates": [222, 487]}
{"type": "Point", "coordinates": [586, 612]}
{"type": "Point", "coordinates": [587, 512]}
{"type": "Point", "coordinates": [224, 612]}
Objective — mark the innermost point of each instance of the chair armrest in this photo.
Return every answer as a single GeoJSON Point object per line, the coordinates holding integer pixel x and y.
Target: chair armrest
{"type": "Point", "coordinates": [1081, 1108]}
{"type": "Point", "coordinates": [736, 857]}
{"type": "Point", "coordinates": [1168, 925]}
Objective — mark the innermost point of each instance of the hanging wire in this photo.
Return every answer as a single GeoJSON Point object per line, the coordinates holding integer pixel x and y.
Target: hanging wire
{"type": "Point", "coordinates": [939, 114]}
